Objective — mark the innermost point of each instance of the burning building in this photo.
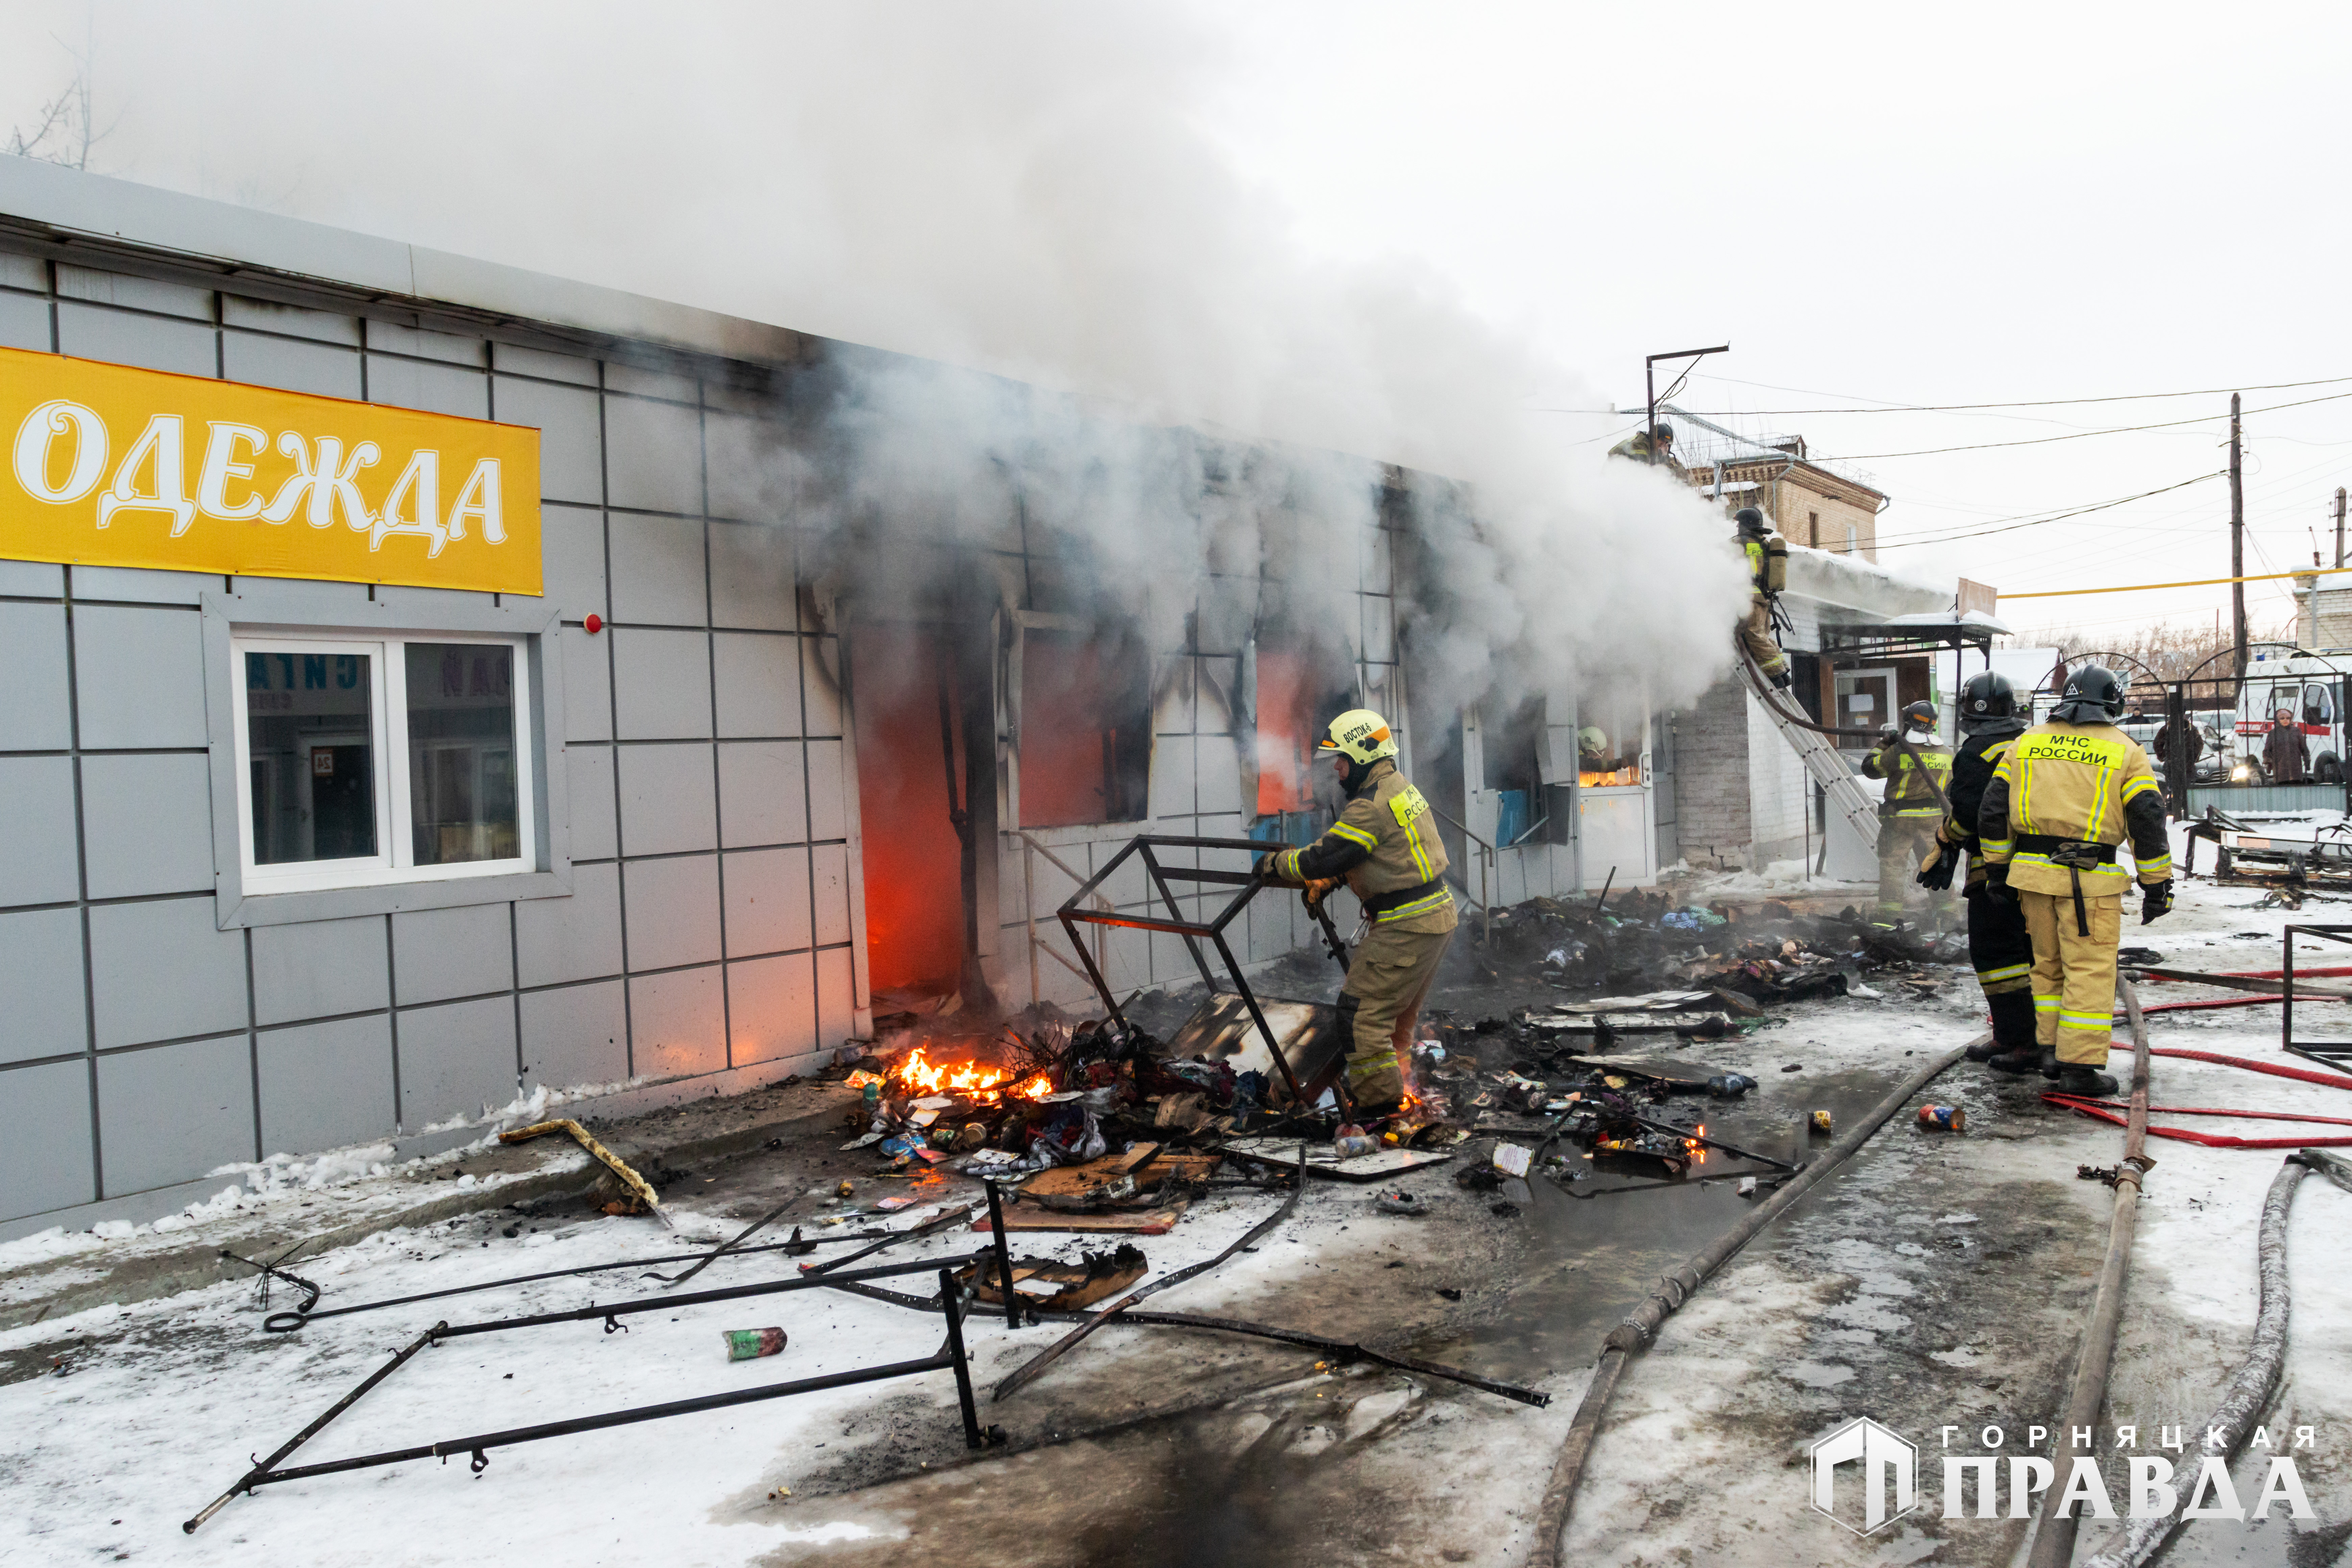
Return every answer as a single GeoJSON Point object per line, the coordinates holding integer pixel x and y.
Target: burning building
{"type": "Point", "coordinates": [521, 686]}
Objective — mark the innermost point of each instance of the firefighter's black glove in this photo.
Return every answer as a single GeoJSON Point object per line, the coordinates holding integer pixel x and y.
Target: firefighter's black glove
{"type": "Point", "coordinates": [1996, 882]}
{"type": "Point", "coordinates": [2155, 899]}
{"type": "Point", "coordinates": [1265, 868]}
{"type": "Point", "coordinates": [1938, 872]}
{"type": "Point", "coordinates": [1886, 733]}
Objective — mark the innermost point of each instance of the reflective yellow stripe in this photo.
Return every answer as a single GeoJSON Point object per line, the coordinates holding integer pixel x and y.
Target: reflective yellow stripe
{"type": "Point", "coordinates": [1420, 855]}
{"type": "Point", "coordinates": [2009, 973]}
{"type": "Point", "coordinates": [1436, 900]}
{"type": "Point", "coordinates": [1355, 835]}
{"type": "Point", "coordinates": [1287, 864]}
{"type": "Point", "coordinates": [2135, 788]}
{"type": "Point", "coordinates": [2045, 1004]}
{"type": "Point", "coordinates": [2086, 1020]}
{"type": "Point", "coordinates": [2157, 866]}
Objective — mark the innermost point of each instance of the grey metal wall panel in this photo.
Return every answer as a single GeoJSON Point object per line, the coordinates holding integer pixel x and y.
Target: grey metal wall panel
{"type": "Point", "coordinates": [829, 867]}
{"type": "Point", "coordinates": [24, 323]}
{"type": "Point", "coordinates": [767, 901]}
{"type": "Point", "coordinates": [319, 369]}
{"type": "Point", "coordinates": [570, 443]}
{"type": "Point", "coordinates": [759, 684]}
{"type": "Point", "coordinates": [771, 1007]}
{"type": "Point", "coordinates": [133, 293]}
{"type": "Point", "coordinates": [455, 1059]}
{"type": "Point", "coordinates": [1171, 777]}
{"type": "Point", "coordinates": [320, 968]}
{"type": "Point", "coordinates": [828, 789]}
{"type": "Point", "coordinates": [587, 685]}
{"type": "Point", "coordinates": [661, 685]}
{"type": "Point", "coordinates": [118, 337]}
{"type": "Point", "coordinates": [23, 272]}
{"type": "Point", "coordinates": [574, 1035]}
{"type": "Point", "coordinates": [148, 821]}
{"type": "Point", "coordinates": [673, 911]}
{"type": "Point", "coordinates": [161, 971]}
{"type": "Point", "coordinates": [41, 1007]}
{"type": "Point", "coordinates": [657, 454]}
{"type": "Point", "coordinates": [392, 337]}
{"type": "Point", "coordinates": [752, 581]}
{"type": "Point", "coordinates": [835, 1001]}
{"type": "Point", "coordinates": [657, 570]}
{"type": "Point", "coordinates": [45, 1160]}
{"type": "Point", "coordinates": [326, 1085]}
{"type": "Point", "coordinates": [140, 675]}
{"type": "Point", "coordinates": [751, 469]}
{"type": "Point", "coordinates": [589, 770]}
{"type": "Point", "coordinates": [665, 799]}
{"type": "Point", "coordinates": [37, 832]}
{"type": "Point", "coordinates": [578, 938]}
{"type": "Point", "coordinates": [141, 585]}
{"type": "Point", "coordinates": [440, 954]}
{"type": "Point", "coordinates": [175, 1112]}
{"type": "Point", "coordinates": [763, 793]}
{"type": "Point", "coordinates": [32, 579]}
{"type": "Point", "coordinates": [432, 388]}
{"type": "Point", "coordinates": [820, 679]}
{"type": "Point", "coordinates": [572, 560]}
{"type": "Point", "coordinates": [290, 321]}
{"type": "Point", "coordinates": [1219, 787]}
{"type": "Point", "coordinates": [508, 358]}
{"type": "Point", "coordinates": [622, 376]}
{"type": "Point", "coordinates": [677, 1023]}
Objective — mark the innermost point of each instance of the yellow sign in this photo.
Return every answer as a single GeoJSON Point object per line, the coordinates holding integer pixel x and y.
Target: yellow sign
{"type": "Point", "coordinates": [109, 465]}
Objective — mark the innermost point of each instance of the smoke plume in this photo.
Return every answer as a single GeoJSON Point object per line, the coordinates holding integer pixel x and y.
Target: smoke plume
{"type": "Point", "coordinates": [1025, 191]}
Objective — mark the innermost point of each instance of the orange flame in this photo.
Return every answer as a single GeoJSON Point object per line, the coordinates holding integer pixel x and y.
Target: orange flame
{"type": "Point", "coordinates": [972, 1079]}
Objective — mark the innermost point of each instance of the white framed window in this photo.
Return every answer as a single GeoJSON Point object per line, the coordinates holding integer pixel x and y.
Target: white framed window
{"type": "Point", "coordinates": [365, 760]}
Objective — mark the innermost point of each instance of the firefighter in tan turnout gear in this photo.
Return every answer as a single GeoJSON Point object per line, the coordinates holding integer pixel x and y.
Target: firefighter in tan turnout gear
{"type": "Point", "coordinates": [1915, 770]}
{"type": "Point", "coordinates": [2067, 793]}
{"type": "Point", "coordinates": [1385, 846]}
{"type": "Point", "coordinates": [1768, 574]}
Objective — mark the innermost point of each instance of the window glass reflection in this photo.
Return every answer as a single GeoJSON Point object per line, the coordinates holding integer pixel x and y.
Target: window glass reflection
{"type": "Point", "coordinates": [311, 731]}
{"type": "Point", "coordinates": [461, 752]}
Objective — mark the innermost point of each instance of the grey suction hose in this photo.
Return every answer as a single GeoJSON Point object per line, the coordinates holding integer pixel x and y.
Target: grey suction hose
{"type": "Point", "coordinates": [2052, 1545]}
{"type": "Point", "coordinates": [1640, 1326]}
{"type": "Point", "coordinates": [2250, 1391]}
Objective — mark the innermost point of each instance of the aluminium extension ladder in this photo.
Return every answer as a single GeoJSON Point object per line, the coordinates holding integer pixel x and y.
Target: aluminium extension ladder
{"type": "Point", "coordinates": [1822, 759]}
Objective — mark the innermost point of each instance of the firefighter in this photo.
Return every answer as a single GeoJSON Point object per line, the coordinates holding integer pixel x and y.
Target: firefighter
{"type": "Point", "coordinates": [1386, 846]}
{"type": "Point", "coordinates": [1999, 949]}
{"type": "Point", "coordinates": [2067, 793]}
{"type": "Point", "coordinates": [1767, 569]}
{"type": "Point", "coordinates": [1657, 445]}
{"type": "Point", "coordinates": [1916, 766]}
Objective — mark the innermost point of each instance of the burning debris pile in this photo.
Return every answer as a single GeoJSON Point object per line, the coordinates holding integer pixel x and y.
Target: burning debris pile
{"type": "Point", "coordinates": [1766, 954]}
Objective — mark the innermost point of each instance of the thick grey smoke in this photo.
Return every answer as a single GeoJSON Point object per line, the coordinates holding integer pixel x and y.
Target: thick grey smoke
{"type": "Point", "coordinates": [1019, 189]}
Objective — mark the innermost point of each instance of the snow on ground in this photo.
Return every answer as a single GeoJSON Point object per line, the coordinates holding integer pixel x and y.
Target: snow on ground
{"type": "Point", "coordinates": [1861, 1303]}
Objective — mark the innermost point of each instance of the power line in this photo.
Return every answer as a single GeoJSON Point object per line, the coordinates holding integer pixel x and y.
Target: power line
{"type": "Point", "coordinates": [2009, 527]}
{"type": "Point", "coordinates": [2081, 435]}
{"type": "Point", "coordinates": [2038, 403]}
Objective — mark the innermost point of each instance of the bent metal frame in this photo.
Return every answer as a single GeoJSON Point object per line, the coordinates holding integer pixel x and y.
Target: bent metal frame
{"type": "Point", "coordinates": [1195, 933]}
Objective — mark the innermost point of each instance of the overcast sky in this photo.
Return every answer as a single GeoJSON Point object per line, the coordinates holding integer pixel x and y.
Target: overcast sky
{"type": "Point", "coordinates": [1872, 204]}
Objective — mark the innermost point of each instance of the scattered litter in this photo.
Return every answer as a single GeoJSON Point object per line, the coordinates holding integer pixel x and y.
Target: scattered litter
{"type": "Point", "coordinates": [750, 1345]}
{"type": "Point", "coordinates": [1943, 1119]}
{"type": "Point", "coordinates": [1397, 1201]}
{"type": "Point", "coordinates": [1511, 1159]}
{"type": "Point", "coordinates": [1819, 1123]}
{"type": "Point", "coordinates": [1747, 1187]}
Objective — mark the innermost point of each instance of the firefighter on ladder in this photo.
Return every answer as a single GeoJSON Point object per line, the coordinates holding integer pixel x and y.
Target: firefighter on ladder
{"type": "Point", "coordinates": [1916, 766]}
{"type": "Point", "coordinates": [2067, 793]}
{"type": "Point", "coordinates": [1385, 846]}
{"type": "Point", "coordinates": [1767, 574]}
{"type": "Point", "coordinates": [1999, 949]}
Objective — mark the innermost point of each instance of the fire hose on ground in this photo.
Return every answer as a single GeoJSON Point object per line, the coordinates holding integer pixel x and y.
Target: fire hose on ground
{"type": "Point", "coordinates": [1640, 1326]}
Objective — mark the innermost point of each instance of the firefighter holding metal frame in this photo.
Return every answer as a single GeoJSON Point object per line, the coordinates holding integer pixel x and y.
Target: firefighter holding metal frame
{"type": "Point", "coordinates": [1386, 846]}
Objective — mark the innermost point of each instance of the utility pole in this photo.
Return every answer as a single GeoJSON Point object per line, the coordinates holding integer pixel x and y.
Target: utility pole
{"type": "Point", "coordinates": [2237, 537]}
{"type": "Point", "coordinates": [1649, 387]}
{"type": "Point", "coordinates": [2339, 525]}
